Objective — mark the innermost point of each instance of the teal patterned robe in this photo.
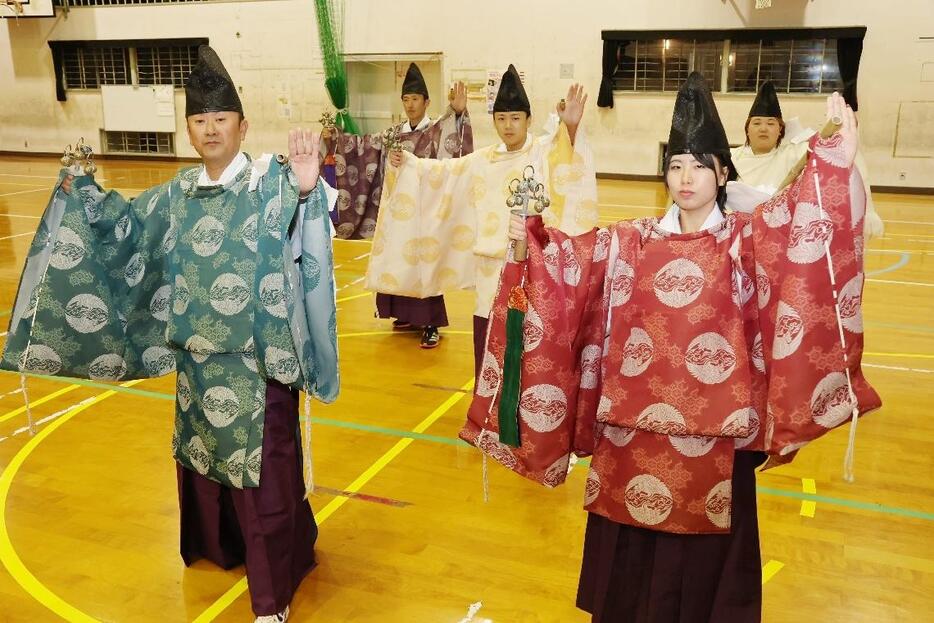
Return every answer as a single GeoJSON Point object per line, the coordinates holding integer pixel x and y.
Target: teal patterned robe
{"type": "Point", "coordinates": [198, 280]}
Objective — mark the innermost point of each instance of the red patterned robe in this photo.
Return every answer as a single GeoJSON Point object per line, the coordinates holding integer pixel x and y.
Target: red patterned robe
{"type": "Point", "coordinates": [663, 354]}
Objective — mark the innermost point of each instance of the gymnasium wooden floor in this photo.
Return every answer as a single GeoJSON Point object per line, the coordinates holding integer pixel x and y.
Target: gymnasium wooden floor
{"type": "Point", "coordinates": [88, 511]}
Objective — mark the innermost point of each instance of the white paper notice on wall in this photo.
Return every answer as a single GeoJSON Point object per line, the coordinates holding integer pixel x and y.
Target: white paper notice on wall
{"type": "Point", "coordinates": [493, 77]}
{"type": "Point", "coordinates": [129, 108]}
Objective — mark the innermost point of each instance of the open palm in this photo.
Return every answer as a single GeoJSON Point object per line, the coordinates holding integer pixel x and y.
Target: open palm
{"type": "Point", "coordinates": [303, 158]}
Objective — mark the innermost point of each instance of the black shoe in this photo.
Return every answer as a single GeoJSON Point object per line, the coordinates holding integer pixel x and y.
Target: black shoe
{"type": "Point", "coordinates": [430, 337]}
{"type": "Point", "coordinates": [401, 325]}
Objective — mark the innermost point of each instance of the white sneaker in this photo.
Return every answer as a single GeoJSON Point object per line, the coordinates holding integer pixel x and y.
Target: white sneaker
{"type": "Point", "coordinates": [282, 617]}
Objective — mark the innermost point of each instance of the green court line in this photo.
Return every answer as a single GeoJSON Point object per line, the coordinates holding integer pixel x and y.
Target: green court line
{"type": "Point", "coordinates": [451, 441]}
{"type": "Point", "coordinates": [857, 504]}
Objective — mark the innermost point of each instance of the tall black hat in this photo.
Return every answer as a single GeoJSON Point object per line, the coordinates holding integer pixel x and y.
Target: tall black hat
{"type": "Point", "coordinates": [414, 83]}
{"type": "Point", "coordinates": [695, 125]}
{"type": "Point", "coordinates": [209, 87]}
{"type": "Point", "coordinates": [766, 104]}
{"type": "Point", "coordinates": [511, 96]}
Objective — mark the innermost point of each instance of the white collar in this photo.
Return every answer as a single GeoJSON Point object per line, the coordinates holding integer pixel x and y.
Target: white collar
{"type": "Point", "coordinates": [672, 224]}
{"type": "Point", "coordinates": [424, 123]}
{"type": "Point", "coordinates": [501, 148]}
{"type": "Point", "coordinates": [236, 165]}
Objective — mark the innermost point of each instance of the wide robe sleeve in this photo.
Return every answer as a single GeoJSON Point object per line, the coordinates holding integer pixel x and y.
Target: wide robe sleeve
{"type": "Point", "coordinates": [93, 299]}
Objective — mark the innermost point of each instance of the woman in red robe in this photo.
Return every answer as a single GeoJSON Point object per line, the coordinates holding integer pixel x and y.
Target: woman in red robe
{"type": "Point", "coordinates": [681, 353]}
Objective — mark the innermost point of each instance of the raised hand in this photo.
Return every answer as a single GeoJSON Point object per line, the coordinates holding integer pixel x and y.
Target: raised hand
{"type": "Point", "coordinates": [66, 184]}
{"type": "Point", "coordinates": [573, 106]}
{"type": "Point", "coordinates": [395, 157]}
{"type": "Point", "coordinates": [303, 158]}
{"type": "Point", "coordinates": [839, 112]}
{"type": "Point", "coordinates": [458, 97]}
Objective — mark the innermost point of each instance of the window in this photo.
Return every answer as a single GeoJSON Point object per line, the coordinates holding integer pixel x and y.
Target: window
{"type": "Point", "coordinates": [796, 60]}
{"type": "Point", "coordinates": [88, 68]}
{"type": "Point", "coordinates": [165, 64]}
{"type": "Point", "coordinates": [663, 64]}
{"type": "Point", "coordinates": [70, 4]}
{"type": "Point", "coordinates": [89, 64]}
{"type": "Point", "coordinates": [139, 143]}
{"type": "Point", "coordinates": [794, 66]}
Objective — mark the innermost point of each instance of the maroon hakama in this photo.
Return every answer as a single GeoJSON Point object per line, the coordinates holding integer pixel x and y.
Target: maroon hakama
{"type": "Point", "coordinates": [637, 575]}
{"type": "Point", "coordinates": [429, 312]}
{"type": "Point", "coordinates": [270, 528]}
{"type": "Point", "coordinates": [479, 343]}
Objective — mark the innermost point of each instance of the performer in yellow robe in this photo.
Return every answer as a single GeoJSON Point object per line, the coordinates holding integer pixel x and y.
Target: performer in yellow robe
{"type": "Point", "coordinates": [443, 223]}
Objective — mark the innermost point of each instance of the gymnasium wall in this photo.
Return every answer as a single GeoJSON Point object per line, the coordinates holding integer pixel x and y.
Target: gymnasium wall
{"type": "Point", "coordinates": [270, 47]}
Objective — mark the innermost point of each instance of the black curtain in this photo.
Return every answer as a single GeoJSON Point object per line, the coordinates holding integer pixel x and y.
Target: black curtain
{"type": "Point", "coordinates": [849, 51]}
{"type": "Point", "coordinates": [610, 56]}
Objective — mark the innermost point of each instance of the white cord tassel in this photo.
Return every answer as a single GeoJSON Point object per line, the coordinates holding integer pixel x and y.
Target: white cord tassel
{"type": "Point", "coordinates": [472, 612]}
{"type": "Point", "coordinates": [486, 479]}
{"type": "Point", "coordinates": [306, 451]}
{"type": "Point", "coordinates": [849, 458]}
{"type": "Point", "coordinates": [22, 386]}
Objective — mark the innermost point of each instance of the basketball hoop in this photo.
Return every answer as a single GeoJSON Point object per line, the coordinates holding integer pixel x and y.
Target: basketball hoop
{"type": "Point", "coordinates": [13, 5]}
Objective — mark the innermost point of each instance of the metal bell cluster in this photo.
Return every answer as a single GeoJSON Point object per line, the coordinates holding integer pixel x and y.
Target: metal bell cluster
{"type": "Point", "coordinates": [82, 157]}
{"type": "Point", "coordinates": [390, 139]}
{"type": "Point", "coordinates": [527, 192]}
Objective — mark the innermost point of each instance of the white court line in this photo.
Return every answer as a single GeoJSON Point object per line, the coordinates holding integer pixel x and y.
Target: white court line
{"type": "Point", "coordinates": [902, 283]}
{"type": "Point", "coordinates": [28, 233]}
{"type": "Point", "coordinates": [908, 235]}
{"type": "Point", "coordinates": [18, 215]}
{"type": "Point", "coordinates": [42, 177]}
{"type": "Point", "coordinates": [360, 257]}
{"type": "Point", "coordinates": [352, 283]}
{"type": "Point", "coordinates": [23, 192]}
{"type": "Point", "coordinates": [913, 251]}
{"type": "Point", "coordinates": [898, 368]}
{"type": "Point", "coordinates": [908, 222]}
{"type": "Point", "coordinates": [49, 418]}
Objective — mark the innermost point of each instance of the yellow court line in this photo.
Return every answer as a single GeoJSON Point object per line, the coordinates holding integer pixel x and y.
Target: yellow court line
{"type": "Point", "coordinates": [331, 507]}
{"type": "Point", "coordinates": [355, 296]}
{"type": "Point", "coordinates": [770, 569]}
{"type": "Point", "coordinates": [8, 556]}
{"type": "Point", "coordinates": [36, 403]}
{"type": "Point", "coordinates": [369, 333]}
{"type": "Point", "coordinates": [908, 355]}
{"type": "Point", "coordinates": [808, 507]}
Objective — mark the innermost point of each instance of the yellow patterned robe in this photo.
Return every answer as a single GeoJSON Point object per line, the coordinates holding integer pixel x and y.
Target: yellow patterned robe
{"type": "Point", "coordinates": [442, 223]}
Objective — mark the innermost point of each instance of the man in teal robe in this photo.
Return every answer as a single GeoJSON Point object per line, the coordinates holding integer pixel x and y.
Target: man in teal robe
{"type": "Point", "coordinates": [225, 275]}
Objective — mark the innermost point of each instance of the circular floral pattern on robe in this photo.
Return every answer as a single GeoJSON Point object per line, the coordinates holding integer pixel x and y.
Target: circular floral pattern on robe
{"type": "Point", "coordinates": [109, 367]}
{"type": "Point", "coordinates": [710, 358]}
{"type": "Point", "coordinates": [41, 359]}
{"type": "Point", "coordinates": [543, 407]}
{"type": "Point", "coordinates": [789, 331]}
{"type": "Point", "coordinates": [830, 400]}
{"type": "Point", "coordinates": [637, 352]}
{"type": "Point", "coordinates": [809, 233]}
{"type": "Point", "coordinates": [86, 313]}
{"type": "Point", "coordinates": [648, 500]}
{"type": "Point", "coordinates": [158, 360]}
{"type": "Point", "coordinates": [679, 283]}
{"type": "Point", "coordinates": [717, 505]}
{"type": "Point", "coordinates": [229, 294]}
{"type": "Point", "coordinates": [220, 406]}
{"type": "Point", "coordinates": [207, 236]}
{"type": "Point", "coordinates": [68, 250]}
